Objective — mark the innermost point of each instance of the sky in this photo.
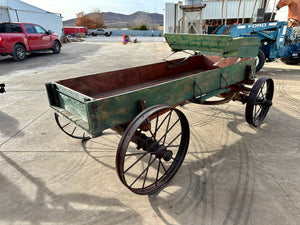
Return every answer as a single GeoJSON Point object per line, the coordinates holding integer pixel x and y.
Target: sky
{"type": "Point", "coordinates": [69, 8]}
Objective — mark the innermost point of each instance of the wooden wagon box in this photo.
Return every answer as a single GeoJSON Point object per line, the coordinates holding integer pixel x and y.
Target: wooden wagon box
{"type": "Point", "coordinates": [139, 103]}
{"type": "Point", "coordinates": [100, 101]}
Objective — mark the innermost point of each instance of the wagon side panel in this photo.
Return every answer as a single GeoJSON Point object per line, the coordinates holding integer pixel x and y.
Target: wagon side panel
{"type": "Point", "coordinates": [112, 111]}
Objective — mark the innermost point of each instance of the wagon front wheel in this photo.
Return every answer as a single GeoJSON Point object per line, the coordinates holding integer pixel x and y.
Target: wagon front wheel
{"type": "Point", "coordinates": [152, 149]}
{"type": "Point", "coordinates": [69, 128]}
{"type": "Point", "coordinates": [259, 101]}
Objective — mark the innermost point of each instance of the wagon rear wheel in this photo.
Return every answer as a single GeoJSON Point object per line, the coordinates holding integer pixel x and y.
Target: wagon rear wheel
{"type": "Point", "coordinates": [259, 101]}
{"type": "Point", "coordinates": [152, 149]}
{"type": "Point", "coordinates": [69, 128]}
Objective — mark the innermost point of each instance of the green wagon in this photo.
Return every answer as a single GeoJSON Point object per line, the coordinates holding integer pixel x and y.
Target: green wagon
{"type": "Point", "coordinates": [140, 103]}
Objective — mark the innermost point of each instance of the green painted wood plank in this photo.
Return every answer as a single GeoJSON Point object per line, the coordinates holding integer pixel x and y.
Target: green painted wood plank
{"type": "Point", "coordinates": [223, 45]}
{"type": "Point", "coordinates": [75, 119]}
{"type": "Point", "coordinates": [72, 101]}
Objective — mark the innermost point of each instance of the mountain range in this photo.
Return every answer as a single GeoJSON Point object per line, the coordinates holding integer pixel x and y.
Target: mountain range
{"type": "Point", "coordinates": [117, 20]}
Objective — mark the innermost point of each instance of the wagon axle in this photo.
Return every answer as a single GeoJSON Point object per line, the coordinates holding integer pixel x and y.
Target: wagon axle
{"type": "Point", "coordinates": [264, 102]}
{"type": "Point", "coordinates": [149, 145]}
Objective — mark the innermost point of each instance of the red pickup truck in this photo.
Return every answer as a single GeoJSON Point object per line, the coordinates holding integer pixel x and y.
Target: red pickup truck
{"type": "Point", "coordinates": [18, 39]}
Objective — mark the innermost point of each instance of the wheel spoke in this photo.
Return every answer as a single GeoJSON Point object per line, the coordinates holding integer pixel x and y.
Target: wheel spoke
{"type": "Point", "coordinates": [174, 140]}
{"type": "Point", "coordinates": [263, 85]}
{"type": "Point", "coordinates": [261, 90]}
{"type": "Point", "coordinates": [66, 125]}
{"type": "Point", "coordinates": [149, 128]}
{"type": "Point", "coordinates": [163, 121]}
{"type": "Point", "coordinates": [135, 162]}
{"type": "Point", "coordinates": [156, 179]}
{"type": "Point", "coordinates": [163, 167]}
{"type": "Point", "coordinates": [142, 173]}
{"type": "Point", "coordinates": [258, 111]}
{"type": "Point", "coordinates": [135, 154]}
{"type": "Point", "coordinates": [167, 131]}
{"type": "Point", "coordinates": [74, 130]}
{"type": "Point", "coordinates": [264, 96]}
{"type": "Point", "coordinates": [156, 124]}
{"type": "Point", "coordinates": [167, 128]}
{"type": "Point", "coordinates": [147, 171]}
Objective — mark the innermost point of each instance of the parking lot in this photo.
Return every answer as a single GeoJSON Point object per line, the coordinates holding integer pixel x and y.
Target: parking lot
{"type": "Point", "coordinates": [233, 173]}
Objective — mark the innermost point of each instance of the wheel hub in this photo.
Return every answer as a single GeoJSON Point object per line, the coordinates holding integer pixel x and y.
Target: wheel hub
{"type": "Point", "coordinates": [162, 152]}
{"type": "Point", "coordinates": [149, 145]}
{"type": "Point", "coordinates": [20, 53]}
{"type": "Point", "coordinates": [264, 102]}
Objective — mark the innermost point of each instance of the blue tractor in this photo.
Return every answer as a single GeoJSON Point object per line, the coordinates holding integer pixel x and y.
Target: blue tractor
{"type": "Point", "coordinates": [277, 39]}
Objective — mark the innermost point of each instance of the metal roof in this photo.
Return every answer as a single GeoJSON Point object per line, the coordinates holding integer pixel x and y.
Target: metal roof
{"type": "Point", "coordinates": [231, 9]}
{"type": "Point", "coordinates": [19, 5]}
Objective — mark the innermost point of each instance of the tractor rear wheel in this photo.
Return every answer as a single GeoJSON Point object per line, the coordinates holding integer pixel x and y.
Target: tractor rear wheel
{"type": "Point", "coordinates": [260, 60]}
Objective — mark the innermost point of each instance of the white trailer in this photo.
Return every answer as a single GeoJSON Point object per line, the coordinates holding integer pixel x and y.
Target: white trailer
{"type": "Point", "coordinates": [18, 11]}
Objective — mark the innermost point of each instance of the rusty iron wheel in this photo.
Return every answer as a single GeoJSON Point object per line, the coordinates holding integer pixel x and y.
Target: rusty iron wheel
{"type": "Point", "coordinates": [70, 129]}
{"type": "Point", "coordinates": [152, 149]}
{"type": "Point", "coordinates": [259, 101]}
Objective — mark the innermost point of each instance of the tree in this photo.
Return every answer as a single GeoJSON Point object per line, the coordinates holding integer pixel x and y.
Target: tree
{"type": "Point", "coordinates": [141, 22]}
{"type": "Point", "coordinates": [84, 20]}
{"type": "Point", "coordinates": [98, 19]}
{"type": "Point", "coordinates": [141, 27]}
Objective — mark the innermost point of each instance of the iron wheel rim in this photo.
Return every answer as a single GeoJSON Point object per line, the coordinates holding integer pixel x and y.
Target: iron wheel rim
{"type": "Point", "coordinates": [157, 171]}
{"type": "Point", "coordinates": [70, 129]}
{"type": "Point", "coordinates": [259, 101]}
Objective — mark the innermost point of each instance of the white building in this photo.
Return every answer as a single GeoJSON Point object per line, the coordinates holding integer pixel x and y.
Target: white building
{"type": "Point", "coordinates": [215, 12]}
{"type": "Point", "coordinates": [18, 11]}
